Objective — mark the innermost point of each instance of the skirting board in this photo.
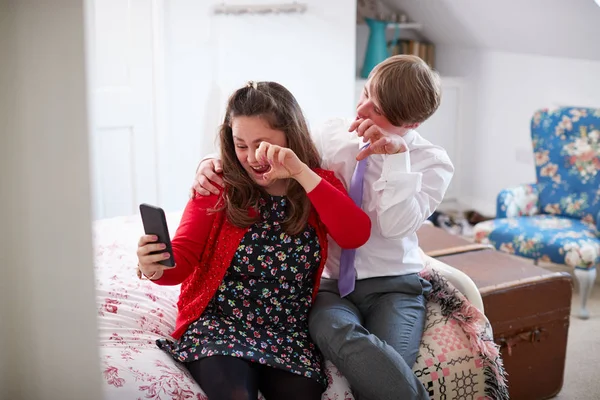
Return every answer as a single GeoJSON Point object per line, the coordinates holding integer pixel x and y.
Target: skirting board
{"type": "Point", "coordinates": [464, 203]}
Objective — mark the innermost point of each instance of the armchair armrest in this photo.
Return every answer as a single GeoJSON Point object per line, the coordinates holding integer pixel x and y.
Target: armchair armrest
{"type": "Point", "coordinates": [518, 201]}
{"type": "Point", "coordinates": [458, 279]}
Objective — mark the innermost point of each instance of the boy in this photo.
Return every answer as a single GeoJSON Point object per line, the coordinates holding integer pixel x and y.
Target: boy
{"type": "Point", "coordinates": [369, 314]}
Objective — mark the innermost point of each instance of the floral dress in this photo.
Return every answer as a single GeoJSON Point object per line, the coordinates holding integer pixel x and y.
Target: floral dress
{"type": "Point", "coordinates": [260, 311]}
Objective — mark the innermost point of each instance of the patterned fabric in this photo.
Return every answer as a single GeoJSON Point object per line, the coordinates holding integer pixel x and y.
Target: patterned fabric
{"type": "Point", "coordinates": [198, 289]}
{"type": "Point", "coordinates": [457, 359]}
{"type": "Point", "coordinates": [457, 347]}
{"type": "Point", "coordinates": [544, 237]}
{"type": "Point", "coordinates": [261, 314]}
{"type": "Point", "coordinates": [555, 219]}
{"type": "Point", "coordinates": [518, 201]}
{"type": "Point", "coordinates": [566, 143]}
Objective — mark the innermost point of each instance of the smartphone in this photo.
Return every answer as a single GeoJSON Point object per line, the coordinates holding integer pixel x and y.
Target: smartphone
{"type": "Point", "coordinates": [155, 223]}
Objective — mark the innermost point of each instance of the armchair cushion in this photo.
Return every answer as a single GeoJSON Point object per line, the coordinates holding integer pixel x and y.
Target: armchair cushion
{"type": "Point", "coordinates": [544, 237]}
{"type": "Point", "coordinates": [517, 201]}
{"type": "Point", "coordinates": [566, 143]}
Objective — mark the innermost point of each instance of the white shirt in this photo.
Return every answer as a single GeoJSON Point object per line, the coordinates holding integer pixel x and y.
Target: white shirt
{"type": "Point", "coordinates": [401, 191]}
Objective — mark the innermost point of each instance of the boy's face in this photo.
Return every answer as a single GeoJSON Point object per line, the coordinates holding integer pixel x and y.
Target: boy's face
{"type": "Point", "coordinates": [369, 108]}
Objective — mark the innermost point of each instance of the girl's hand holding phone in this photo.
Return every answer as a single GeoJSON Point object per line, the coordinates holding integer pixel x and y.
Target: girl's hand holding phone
{"type": "Point", "coordinates": [150, 255]}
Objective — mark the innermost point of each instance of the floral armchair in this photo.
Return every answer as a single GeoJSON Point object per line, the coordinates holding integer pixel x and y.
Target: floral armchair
{"type": "Point", "coordinates": [557, 219]}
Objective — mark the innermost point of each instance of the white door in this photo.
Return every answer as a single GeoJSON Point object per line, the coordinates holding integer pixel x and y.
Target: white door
{"type": "Point", "coordinates": [443, 129]}
{"type": "Point", "coordinates": [123, 47]}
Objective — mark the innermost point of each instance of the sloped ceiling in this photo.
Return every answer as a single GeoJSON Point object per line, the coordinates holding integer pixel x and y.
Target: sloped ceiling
{"type": "Point", "coordinates": [560, 28]}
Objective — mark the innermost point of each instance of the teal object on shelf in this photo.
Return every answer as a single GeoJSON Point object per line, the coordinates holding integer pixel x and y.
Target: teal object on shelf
{"type": "Point", "coordinates": [377, 50]}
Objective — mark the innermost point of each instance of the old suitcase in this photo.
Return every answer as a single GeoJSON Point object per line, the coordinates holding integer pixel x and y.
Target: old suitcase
{"type": "Point", "coordinates": [527, 306]}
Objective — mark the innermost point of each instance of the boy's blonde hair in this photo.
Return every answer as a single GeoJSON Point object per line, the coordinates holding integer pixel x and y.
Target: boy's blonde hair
{"type": "Point", "coordinates": [407, 89]}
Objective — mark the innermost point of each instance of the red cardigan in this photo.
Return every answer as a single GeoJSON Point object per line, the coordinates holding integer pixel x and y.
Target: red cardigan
{"type": "Point", "coordinates": [205, 243]}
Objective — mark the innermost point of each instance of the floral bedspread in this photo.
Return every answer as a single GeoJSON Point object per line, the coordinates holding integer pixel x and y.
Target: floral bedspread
{"type": "Point", "coordinates": [457, 360]}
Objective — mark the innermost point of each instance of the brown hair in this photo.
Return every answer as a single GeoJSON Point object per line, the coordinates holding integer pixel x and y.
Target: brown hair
{"type": "Point", "coordinates": [278, 107]}
{"type": "Point", "coordinates": [407, 89]}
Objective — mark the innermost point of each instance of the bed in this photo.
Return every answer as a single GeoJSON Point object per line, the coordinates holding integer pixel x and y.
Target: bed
{"type": "Point", "coordinates": [458, 358]}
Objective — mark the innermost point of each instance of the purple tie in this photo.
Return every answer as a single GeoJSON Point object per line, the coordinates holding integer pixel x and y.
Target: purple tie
{"type": "Point", "coordinates": [347, 276]}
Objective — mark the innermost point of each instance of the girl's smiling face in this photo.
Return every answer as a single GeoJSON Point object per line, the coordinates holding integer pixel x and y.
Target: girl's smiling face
{"type": "Point", "coordinates": [248, 133]}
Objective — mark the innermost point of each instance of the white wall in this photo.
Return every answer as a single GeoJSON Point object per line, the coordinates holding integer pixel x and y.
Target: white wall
{"type": "Point", "coordinates": [209, 56]}
{"type": "Point", "coordinates": [504, 90]}
{"type": "Point", "coordinates": [48, 347]}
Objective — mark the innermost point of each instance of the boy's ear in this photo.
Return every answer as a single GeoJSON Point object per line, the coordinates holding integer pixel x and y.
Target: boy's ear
{"type": "Point", "coordinates": [412, 126]}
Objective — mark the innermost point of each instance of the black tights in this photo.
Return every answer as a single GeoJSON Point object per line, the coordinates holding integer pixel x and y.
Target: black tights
{"type": "Point", "coordinates": [230, 378]}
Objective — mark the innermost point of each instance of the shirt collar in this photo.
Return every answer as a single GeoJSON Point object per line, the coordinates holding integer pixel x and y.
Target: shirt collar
{"type": "Point", "coordinates": [410, 136]}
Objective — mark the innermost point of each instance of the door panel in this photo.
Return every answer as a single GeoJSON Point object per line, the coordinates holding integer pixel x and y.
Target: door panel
{"type": "Point", "coordinates": [124, 152]}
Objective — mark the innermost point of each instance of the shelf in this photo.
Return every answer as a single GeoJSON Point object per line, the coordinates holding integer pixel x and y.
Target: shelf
{"type": "Point", "coordinates": [402, 25]}
{"type": "Point", "coordinates": [405, 25]}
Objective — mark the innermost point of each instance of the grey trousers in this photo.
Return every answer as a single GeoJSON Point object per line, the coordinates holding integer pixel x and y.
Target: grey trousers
{"type": "Point", "coordinates": [373, 334]}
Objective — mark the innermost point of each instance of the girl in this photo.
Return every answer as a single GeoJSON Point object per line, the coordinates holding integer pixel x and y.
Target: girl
{"type": "Point", "coordinates": [250, 258]}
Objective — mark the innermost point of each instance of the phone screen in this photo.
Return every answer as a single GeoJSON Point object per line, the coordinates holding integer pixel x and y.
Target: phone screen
{"type": "Point", "coordinates": [155, 223]}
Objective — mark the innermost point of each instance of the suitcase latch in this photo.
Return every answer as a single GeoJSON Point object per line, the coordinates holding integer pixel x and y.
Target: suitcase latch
{"type": "Point", "coordinates": [532, 336]}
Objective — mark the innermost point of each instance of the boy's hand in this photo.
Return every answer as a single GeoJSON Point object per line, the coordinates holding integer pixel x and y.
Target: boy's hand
{"type": "Point", "coordinates": [383, 145]}
{"type": "Point", "coordinates": [207, 173]}
{"type": "Point", "coordinates": [380, 143]}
